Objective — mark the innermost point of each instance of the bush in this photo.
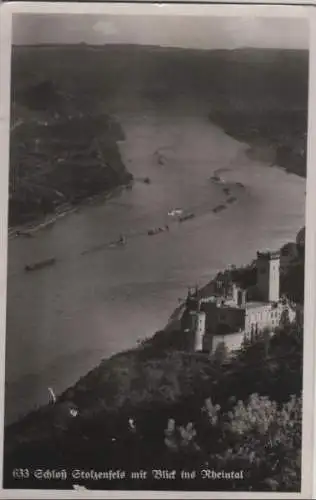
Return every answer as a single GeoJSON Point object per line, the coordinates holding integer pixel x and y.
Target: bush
{"type": "Point", "coordinates": [190, 412]}
{"type": "Point", "coordinates": [257, 437]}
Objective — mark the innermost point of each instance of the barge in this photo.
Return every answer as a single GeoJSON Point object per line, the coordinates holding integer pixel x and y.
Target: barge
{"type": "Point", "coordinates": [40, 265]}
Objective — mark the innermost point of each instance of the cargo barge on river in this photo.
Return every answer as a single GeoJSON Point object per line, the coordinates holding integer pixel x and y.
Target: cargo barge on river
{"type": "Point", "coordinates": [40, 265]}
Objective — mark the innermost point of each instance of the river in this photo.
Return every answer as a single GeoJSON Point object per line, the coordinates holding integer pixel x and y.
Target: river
{"type": "Point", "coordinates": [63, 320]}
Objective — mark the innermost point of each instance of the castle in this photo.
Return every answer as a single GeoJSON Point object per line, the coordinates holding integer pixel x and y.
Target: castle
{"type": "Point", "coordinates": [232, 313]}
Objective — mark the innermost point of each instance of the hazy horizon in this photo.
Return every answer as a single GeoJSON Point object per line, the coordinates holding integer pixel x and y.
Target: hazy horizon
{"type": "Point", "coordinates": [205, 33]}
{"type": "Point", "coordinates": [126, 44]}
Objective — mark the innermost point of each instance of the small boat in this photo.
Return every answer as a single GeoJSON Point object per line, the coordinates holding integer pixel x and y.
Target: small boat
{"type": "Point", "coordinates": [118, 243]}
{"type": "Point", "coordinates": [219, 208]}
{"type": "Point", "coordinates": [216, 178]}
{"type": "Point", "coordinates": [157, 230]}
{"type": "Point", "coordinates": [231, 199]}
{"type": "Point", "coordinates": [176, 212]}
{"type": "Point", "coordinates": [146, 180]}
{"type": "Point", "coordinates": [160, 158]}
{"type": "Point", "coordinates": [185, 217]}
{"type": "Point", "coordinates": [40, 265]}
{"type": "Point", "coordinates": [240, 184]}
{"type": "Point", "coordinates": [26, 234]}
{"type": "Point", "coordinates": [121, 240]}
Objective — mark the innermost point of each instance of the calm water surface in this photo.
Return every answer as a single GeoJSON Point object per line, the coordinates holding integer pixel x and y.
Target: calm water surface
{"type": "Point", "coordinates": [63, 320]}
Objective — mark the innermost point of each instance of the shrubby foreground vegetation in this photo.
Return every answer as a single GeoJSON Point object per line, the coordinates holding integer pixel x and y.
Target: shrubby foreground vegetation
{"type": "Point", "coordinates": [147, 410]}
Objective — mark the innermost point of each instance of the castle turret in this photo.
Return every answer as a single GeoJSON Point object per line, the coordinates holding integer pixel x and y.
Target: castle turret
{"type": "Point", "coordinates": [268, 276]}
{"type": "Point", "coordinates": [234, 293]}
{"type": "Point", "coordinates": [239, 295]}
{"type": "Point", "coordinates": [193, 322]}
{"type": "Point", "coordinates": [192, 301]}
{"type": "Point", "coordinates": [199, 330]}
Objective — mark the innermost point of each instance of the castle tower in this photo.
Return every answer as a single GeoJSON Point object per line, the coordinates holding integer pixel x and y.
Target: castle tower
{"type": "Point", "coordinates": [192, 305]}
{"type": "Point", "coordinates": [199, 330]}
{"type": "Point", "coordinates": [268, 276]}
{"type": "Point", "coordinates": [234, 293]}
{"type": "Point", "coordinates": [193, 322]}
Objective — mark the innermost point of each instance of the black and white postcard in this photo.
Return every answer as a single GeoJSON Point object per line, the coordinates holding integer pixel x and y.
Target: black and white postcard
{"type": "Point", "coordinates": [154, 209]}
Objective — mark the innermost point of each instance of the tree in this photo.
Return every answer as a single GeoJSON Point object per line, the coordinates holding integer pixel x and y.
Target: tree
{"type": "Point", "coordinates": [266, 441]}
{"type": "Point", "coordinates": [257, 436]}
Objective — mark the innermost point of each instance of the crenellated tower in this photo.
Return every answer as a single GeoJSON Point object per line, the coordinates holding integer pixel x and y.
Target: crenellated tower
{"type": "Point", "coordinates": [268, 276]}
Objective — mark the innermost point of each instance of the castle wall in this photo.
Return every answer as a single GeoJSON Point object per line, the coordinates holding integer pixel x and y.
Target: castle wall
{"type": "Point", "coordinates": [210, 309]}
{"type": "Point", "coordinates": [265, 316]}
{"type": "Point", "coordinates": [231, 317]}
{"type": "Point", "coordinates": [274, 282]}
{"type": "Point", "coordinates": [219, 317]}
{"type": "Point", "coordinates": [233, 341]}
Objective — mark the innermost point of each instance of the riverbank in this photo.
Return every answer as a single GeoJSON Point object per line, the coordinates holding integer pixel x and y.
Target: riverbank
{"type": "Point", "coordinates": [60, 156]}
{"type": "Point", "coordinates": [45, 222]}
{"type": "Point", "coordinates": [278, 138]}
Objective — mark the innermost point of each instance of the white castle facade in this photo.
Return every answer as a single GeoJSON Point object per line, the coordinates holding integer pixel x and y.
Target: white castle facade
{"type": "Point", "coordinates": [235, 314]}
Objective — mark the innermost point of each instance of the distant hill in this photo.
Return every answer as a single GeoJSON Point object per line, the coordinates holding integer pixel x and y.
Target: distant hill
{"type": "Point", "coordinates": [249, 92]}
{"type": "Point", "coordinates": [63, 146]}
{"type": "Point", "coordinates": [258, 96]}
{"type": "Point", "coordinates": [260, 79]}
{"type": "Point", "coordinates": [40, 96]}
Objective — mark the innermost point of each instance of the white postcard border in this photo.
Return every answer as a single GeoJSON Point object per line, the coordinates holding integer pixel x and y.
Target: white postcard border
{"type": "Point", "coordinates": [140, 7]}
